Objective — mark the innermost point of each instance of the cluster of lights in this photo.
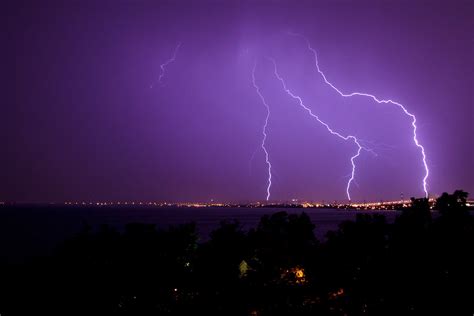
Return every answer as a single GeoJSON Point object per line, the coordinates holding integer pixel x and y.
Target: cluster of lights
{"type": "Point", "coordinates": [365, 205]}
{"type": "Point", "coordinates": [118, 203]}
{"type": "Point", "coordinates": [294, 203]}
{"type": "Point", "coordinates": [134, 203]}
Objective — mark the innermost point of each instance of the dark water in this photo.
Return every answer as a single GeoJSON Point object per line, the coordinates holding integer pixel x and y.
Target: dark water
{"type": "Point", "coordinates": [32, 231]}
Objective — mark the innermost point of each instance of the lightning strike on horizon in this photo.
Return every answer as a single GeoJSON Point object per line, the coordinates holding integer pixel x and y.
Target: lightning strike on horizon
{"type": "Point", "coordinates": [379, 101]}
{"type": "Point", "coordinates": [264, 130]}
{"type": "Point", "coordinates": [166, 63]}
{"type": "Point", "coordinates": [328, 128]}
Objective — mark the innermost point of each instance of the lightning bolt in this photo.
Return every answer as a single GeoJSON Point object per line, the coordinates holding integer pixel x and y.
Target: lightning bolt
{"type": "Point", "coordinates": [166, 63]}
{"type": "Point", "coordinates": [379, 101]}
{"type": "Point", "coordinates": [264, 130]}
{"type": "Point", "coordinates": [328, 128]}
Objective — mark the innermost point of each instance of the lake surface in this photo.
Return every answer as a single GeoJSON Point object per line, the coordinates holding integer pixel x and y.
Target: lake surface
{"type": "Point", "coordinates": [27, 231]}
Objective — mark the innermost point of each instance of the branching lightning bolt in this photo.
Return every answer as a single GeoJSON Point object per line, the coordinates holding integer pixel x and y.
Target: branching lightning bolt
{"type": "Point", "coordinates": [379, 101]}
{"type": "Point", "coordinates": [328, 128]}
{"type": "Point", "coordinates": [264, 130]}
{"type": "Point", "coordinates": [166, 63]}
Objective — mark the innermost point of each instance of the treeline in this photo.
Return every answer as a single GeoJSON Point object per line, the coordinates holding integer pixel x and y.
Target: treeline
{"type": "Point", "coordinates": [417, 265]}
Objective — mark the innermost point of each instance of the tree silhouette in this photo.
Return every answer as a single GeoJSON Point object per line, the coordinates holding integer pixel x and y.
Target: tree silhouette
{"type": "Point", "coordinates": [417, 265]}
{"type": "Point", "coordinates": [452, 204]}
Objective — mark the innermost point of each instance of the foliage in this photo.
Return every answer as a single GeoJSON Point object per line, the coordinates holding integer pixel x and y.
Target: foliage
{"type": "Point", "coordinates": [418, 265]}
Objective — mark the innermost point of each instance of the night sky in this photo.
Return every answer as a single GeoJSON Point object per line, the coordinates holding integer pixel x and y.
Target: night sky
{"type": "Point", "coordinates": [80, 121]}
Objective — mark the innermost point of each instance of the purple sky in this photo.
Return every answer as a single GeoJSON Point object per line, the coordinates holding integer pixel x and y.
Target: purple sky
{"type": "Point", "coordinates": [80, 121]}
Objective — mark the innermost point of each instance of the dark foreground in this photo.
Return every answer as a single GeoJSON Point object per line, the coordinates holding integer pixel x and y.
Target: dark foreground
{"type": "Point", "coordinates": [417, 265]}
